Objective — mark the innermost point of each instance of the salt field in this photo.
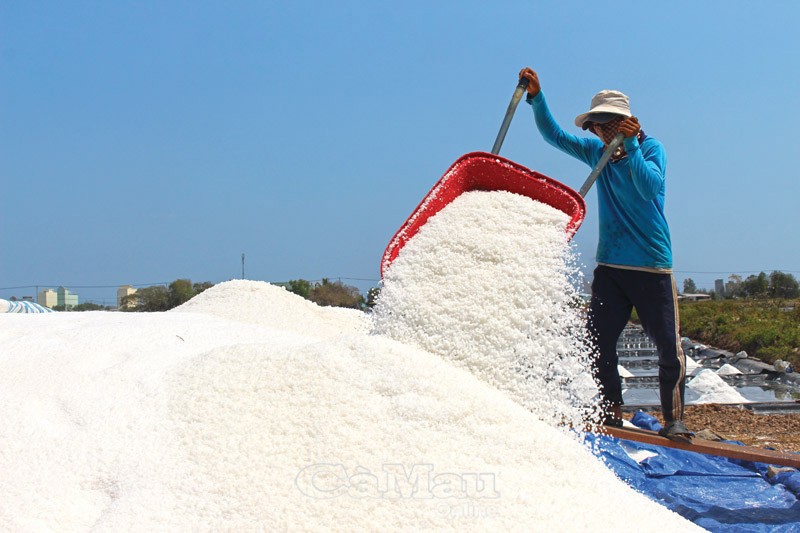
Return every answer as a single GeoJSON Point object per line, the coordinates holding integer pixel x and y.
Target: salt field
{"type": "Point", "coordinates": [639, 370]}
{"type": "Point", "coordinates": [251, 408]}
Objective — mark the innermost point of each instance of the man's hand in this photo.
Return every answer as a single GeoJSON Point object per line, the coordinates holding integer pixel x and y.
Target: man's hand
{"type": "Point", "coordinates": [629, 127]}
{"type": "Point", "coordinates": [533, 80]}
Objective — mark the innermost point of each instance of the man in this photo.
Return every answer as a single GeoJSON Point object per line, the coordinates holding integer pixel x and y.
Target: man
{"type": "Point", "coordinates": [634, 252]}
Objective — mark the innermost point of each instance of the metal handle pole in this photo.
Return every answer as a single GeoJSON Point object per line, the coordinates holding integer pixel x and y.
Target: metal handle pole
{"type": "Point", "coordinates": [512, 106]}
{"type": "Point", "coordinates": [601, 164]}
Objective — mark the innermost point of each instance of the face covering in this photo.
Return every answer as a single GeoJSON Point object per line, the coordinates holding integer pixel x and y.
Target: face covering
{"type": "Point", "coordinates": [606, 132]}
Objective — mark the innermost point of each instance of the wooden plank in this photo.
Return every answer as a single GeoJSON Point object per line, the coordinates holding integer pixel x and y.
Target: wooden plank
{"type": "Point", "coordinates": [708, 447]}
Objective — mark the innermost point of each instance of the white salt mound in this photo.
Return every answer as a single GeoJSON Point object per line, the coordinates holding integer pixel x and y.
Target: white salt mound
{"type": "Point", "coordinates": [728, 370]}
{"type": "Point", "coordinates": [245, 301]}
{"type": "Point", "coordinates": [188, 420]}
{"type": "Point", "coordinates": [624, 372]}
{"type": "Point", "coordinates": [713, 389]}
{"type": "Point", "coordinates": [691, 366]}
{"type": "Point", "coordinates": [486, 284]}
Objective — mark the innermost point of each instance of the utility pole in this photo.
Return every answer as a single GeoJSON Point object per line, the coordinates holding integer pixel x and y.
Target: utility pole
{"type": "Point", "coordinates": [242, 265]}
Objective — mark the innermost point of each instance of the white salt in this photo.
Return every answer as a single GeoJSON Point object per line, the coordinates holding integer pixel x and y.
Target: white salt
{"type": "Point", "coordinates": [713, 389]}
{"type": "Point", "coordinates": [258, 302]}
{"type": "Point", "coordinates": [486, 284]}
{"type": "Point", "coordinates": [691, 366]}
{"type": "Point", "coordinates": [728, 370]}
{"type": "Point", "coordinates": [190, 420]}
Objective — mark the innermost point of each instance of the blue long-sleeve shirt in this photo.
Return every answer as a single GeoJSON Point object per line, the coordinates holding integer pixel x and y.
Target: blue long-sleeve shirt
{"type": "Point", "coordinates": [630, 192]}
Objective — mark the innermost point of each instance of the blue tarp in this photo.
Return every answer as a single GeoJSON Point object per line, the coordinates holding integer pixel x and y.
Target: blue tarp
{"type": "Point", "coordinates": [7, 306]}
{"type": "Point", "coordinates": [716, 493]}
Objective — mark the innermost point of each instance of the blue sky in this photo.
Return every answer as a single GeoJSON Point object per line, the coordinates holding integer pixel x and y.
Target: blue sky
{"type": "Point", "coordinates": [142, 142]}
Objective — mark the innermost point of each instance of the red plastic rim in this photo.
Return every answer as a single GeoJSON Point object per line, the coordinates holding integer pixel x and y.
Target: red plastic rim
{"type": "Point", "coordinates": [481, 171]}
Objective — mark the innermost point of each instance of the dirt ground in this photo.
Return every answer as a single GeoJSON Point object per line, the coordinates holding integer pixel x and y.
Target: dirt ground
{"type": "Point", "coordinates": [778, 431]}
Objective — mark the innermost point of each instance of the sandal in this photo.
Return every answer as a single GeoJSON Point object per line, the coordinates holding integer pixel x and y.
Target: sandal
{"type": "Point", "coordinates": [676, 430]}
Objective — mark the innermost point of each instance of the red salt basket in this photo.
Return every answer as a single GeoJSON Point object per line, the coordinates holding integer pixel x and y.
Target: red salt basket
{"type": "Point", "coordinates": [482, 171]}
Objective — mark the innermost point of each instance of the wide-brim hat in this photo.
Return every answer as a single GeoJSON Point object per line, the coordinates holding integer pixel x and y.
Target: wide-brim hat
{"type": "Point", "coordinates": [606, 105]}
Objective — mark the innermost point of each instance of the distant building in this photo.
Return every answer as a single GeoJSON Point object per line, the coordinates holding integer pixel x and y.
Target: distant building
{"type": "Point", "coordinates": [65, 298]}
{"type": "Point", "coordinates": [48, 298]}
{"type": "Point", "coordinates": [719, 288]}
{"type": "Point", "coordinates": [123, 292]}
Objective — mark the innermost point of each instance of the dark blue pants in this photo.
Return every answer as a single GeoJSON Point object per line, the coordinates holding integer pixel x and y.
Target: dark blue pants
{"type": "Point", "coordinates": [615, 292]}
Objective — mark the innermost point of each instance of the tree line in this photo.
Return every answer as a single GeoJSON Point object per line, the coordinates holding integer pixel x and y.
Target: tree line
{"type": "Point", "coordinates": [762, 286]}
{"type": "Point", "coordinates": [86, 306]}
{"type": "Point", "coordinates": [324, 293]}
{"type": "Point", "coordinates": [161, 298]}
{"type": "Point", "coordinates": [332, 293]}
{"type": "Point", "coordinates": [165, 297]}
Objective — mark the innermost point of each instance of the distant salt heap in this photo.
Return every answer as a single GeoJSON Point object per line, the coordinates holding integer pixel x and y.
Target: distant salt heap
{"type": "Point", "coordinates": [624, 372]}
{"type": "Point", "coordinates": [486, 284]}
{"type": "Point", "coordinates": [728, 370]}
{"type": "Point", "coordinates": [713, 389]}
{"type": "Point", "coordinates": [692, 367]}
{"type": "Point", "coordinates": [276, 308]}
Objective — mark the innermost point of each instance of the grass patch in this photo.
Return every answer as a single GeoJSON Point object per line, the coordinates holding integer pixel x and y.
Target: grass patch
{"type": "Point", "coordinates": [766, 329]}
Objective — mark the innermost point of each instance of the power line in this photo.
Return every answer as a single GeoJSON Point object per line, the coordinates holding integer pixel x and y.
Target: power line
{"type": "Point", "coordinates": [735, 271]}
{"type": "Point", "coordinates": [150, 284]}
{"type": "Point", "coordinates": [346, 279]}
{"type": "Point", "coordinates": [84, 286]}
{"type": "Point", "coordinates": [372, 280]}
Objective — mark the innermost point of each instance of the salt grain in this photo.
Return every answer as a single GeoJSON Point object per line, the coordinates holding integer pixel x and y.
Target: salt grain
{"type": "Point", "coordinates": [487, 283]}
{"type": "Point", "coordinates": [713, 389]}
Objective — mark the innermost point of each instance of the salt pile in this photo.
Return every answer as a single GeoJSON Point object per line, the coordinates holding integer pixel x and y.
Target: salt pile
{"type": "Point", "coordinates": [486, 283]}
{"type": "Point", "coordinates": [713, 389]}
{"type": "Point", "coordinates": [728, 370]}
{"type": "Point", "coordinates": [209, 417]}
{"type": "Point", "coordinates": [244, 302]}
{"type": "Point", "coordinates": [691, 366]}
{"type": "Point", "coordinates": [624, 372]}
